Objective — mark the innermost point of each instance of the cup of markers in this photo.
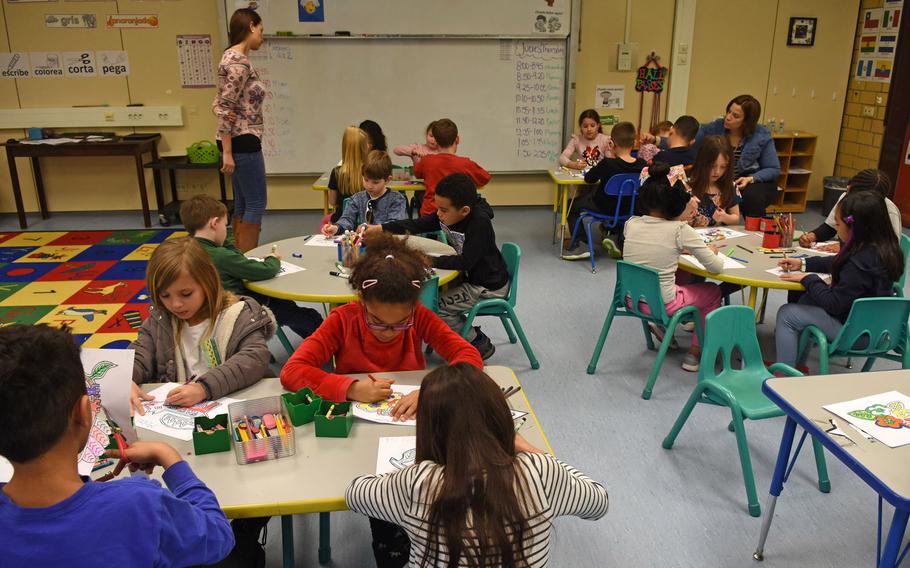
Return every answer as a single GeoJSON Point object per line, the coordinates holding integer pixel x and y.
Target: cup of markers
{"type": "Point", "coordinates": [261, 430]}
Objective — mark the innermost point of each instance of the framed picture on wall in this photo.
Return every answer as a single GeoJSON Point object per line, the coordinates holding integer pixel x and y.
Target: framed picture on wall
{"type": "Point", "coordinates": [802, 32]}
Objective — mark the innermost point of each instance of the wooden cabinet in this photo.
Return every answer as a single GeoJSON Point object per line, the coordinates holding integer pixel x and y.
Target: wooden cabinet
{"type": "Point", "coordinates": [796, 151]}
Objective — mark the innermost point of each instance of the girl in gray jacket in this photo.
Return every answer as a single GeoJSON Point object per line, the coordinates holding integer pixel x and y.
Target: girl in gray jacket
{"type": "Point", "coordinates": [197, 333]}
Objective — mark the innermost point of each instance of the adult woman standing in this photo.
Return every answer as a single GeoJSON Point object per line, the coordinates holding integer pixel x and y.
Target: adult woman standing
{"type": "Point", "coordinates": [238, 106]}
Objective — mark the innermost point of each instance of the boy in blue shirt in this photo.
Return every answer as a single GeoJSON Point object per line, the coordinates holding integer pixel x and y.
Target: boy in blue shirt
{"type": "Point", "coordinates": [49, 515]}
{"type": "Point", "coordinates": [376, 204]}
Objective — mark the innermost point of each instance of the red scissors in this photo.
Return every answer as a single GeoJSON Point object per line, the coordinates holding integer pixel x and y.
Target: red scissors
{"type": "Point", "coordinates": [124, 460]}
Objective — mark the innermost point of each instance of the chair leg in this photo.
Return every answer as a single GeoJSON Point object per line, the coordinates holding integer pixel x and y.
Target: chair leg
{"type": "Point", "coordinates": [648, 339]}
{"type": "Point", "coordinates": [746, 462]}
{"type": "Point", "coordinates": [285, 342]}
{"type": "Point", "coordinates": [524, 340]}
{"type": "Point", "coordinates": [764, 303]}
{"type": "Point", "coordinates": [508, 328]}
{"type": "Point", "coordinates": [683, 416]}
{"type": "Point", "coordinates": [849, 363]}
{"type": "Point", "coordinates": [591, 245]}
{"type": "Point", "coordinates": [824, 484]}
{"type": "Point", "coordinates": [868, 365]}
{"type": "Point", "coordinates": [592, 365]}
{"type": "Point", "coordinates": [655, 370]}
{"type": "Point", "coordinates": [822, 361]}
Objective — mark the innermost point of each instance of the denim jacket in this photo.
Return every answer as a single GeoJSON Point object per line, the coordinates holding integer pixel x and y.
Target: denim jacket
{"type": "Point", "coordinates": [759, 156]}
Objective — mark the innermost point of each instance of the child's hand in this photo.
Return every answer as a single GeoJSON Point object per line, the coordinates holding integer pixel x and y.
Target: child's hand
{"type": "Point", "coordinates": [146, 455]}
{"type": "Point", "coordinates": [186, 395]}
{"type": "Point", "coordinates": [137, 395]}
{"type": "Point", "coordinates": [833, 247]}
{"type": "Point", "coordinates": [406, 407]}
{"type": "Point", "coordinates": [370, 390]}
{"type": "Point", "coordinates": [712, 248]}
{"type": "Point", "coordinates": [699, 220]}
{"type": "Point", "coordinates": [275, 254]}
{"type": "Point", "coordinates": [790, 264]}
{"type": "Point", "coordinates": [806, 239]}
{"type": "Point", "coordinates": [522, 445]}
{"type": "Point", "coordinates": [719, 215]}
{"type": "Point", "coordinates": [329, 230]}
{"type": "Point", "coordinates": [648, 138]}
{"type": "Point", "coordinates": [742, 182]}
{"type": "Point", "coordinates": [372, 229]}
{"type": "Point", "coordinates": [793, 276]}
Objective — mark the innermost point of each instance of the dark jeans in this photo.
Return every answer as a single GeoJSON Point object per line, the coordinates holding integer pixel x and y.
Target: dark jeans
{"type": "Point", "coordinates": [303, 321]}
{"type": "Point", "coordinates": [391, 546]}
{"type": "Point", "coordinates": [757, 197]}
{"type": "Point", "coordinates": [248, 181]}
{"type": "Point", "coordinates": [586, 201]}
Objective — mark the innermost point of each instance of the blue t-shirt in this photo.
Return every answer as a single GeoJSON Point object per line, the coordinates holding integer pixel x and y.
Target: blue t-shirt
{"type": "Point", "coordinates": [707, 206]}
{"type": "Point", "coordinates": [128, 522]}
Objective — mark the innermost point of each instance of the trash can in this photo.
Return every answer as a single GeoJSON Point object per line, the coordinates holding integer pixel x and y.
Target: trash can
{"type": "Point", "coordinates": [835, 186]}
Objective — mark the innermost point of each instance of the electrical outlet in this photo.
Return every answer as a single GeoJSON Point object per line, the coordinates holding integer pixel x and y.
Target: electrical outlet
{"type": "Point", "coordinates": [109, 117]}
{"type": "Point", "coordinates": [684, 49]}
{"type": "Point", "coordinates": [682, 59]}
{"type": "Point", "coordinates": [868, 110]}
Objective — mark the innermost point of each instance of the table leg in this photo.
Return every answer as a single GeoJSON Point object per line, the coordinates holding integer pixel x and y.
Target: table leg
{"type": "Point", "coordinates": [39, 187]}
{"type": "Point", "coordinates": [156, 178]}
{"type": "Point", "coordinates": [325, 203]}
{"type": "Point", "coordinates": [17, 191]}
{"type": "Point", "coordinates": [753, 296]}
{"type": "Point", "coordinates": [556, 188]}
{"type": "Point", "coordinates": [143, 195]}
{"type": "Point", "coordinates": [325, 538]}
{"type": "Point", "coordinates": [564, 203]}
{"type": "Point", "coordinates": [777, 484]}
{"type": "Point", "coordinates": [287, 540]}
{"type": "Point", "coordinates": [222, 185]}
{"type": "Point", "coordinates": [172, 177]}
{"type": "Point", "coordinates": [895, 538]}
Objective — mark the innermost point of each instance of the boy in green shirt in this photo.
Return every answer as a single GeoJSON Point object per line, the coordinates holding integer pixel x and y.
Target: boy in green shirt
{"type": "Point", "coordinates": [206, 219]}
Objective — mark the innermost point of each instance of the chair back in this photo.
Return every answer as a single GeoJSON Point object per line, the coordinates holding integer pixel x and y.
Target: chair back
{"type": "Point", "coordinates": [511, 253]}
{"type": "Point", "coordinates": [623, 186]}
{"type": "Point", "coordinates": [728, 330]}
{"type": "Point", "coordinates": [880, 323]}
{"type": "Point", "coordinates": [640, 283]}
{"type": "Point", "coordinates": [429, 294]}
{"type": "Point", "coordinates": [905, 249]}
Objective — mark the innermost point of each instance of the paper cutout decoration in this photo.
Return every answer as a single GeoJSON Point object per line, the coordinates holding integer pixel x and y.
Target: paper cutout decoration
{"type": "Point", "coordinates": [651, 79]}
{"type": "Point", "coordinates": [108, 376]}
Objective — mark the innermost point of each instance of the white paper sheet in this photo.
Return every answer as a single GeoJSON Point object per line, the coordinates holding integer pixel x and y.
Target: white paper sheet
{"type": "Point", "coordinates": [711, 234]}
{"type": "Point", "coordinates": [884, 416]}
{"type": "Point", "coordinates": [108, 377]}
{"type": "Point", "coordinates": [286, 267]}
{"type": "Point", "coordinates": [174, 421]}
{"type": "Point", "coordinates": [320, 241]}
{"type": "Point", "coordinates": [395, 453]}
{"type": "Point", "coordinates": [382, 411]}
{"type": "Point", "coordinates": [816, 252]}
{"type": "Point", "coordinates": [777, 271]}
{"type": "Point", "coordinates": [729, 263]}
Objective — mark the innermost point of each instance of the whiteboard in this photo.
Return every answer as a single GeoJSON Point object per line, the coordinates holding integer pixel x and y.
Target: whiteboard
{"type": "Point", "coordinates": [506, 96]}
{"type": "Point", "coordinates": [414, 17]}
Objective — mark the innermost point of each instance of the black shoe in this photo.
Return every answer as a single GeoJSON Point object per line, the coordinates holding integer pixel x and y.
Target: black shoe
{"type": "Point", "coordinates": [249, 549]}
{"type": "Point", "coordinates": [483, 345]}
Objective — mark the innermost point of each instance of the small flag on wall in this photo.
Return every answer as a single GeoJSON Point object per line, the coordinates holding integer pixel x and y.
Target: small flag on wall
{"type": "Point", "coordinates": [891, 19]}
{"type": "Point", "coordinates": [867, 43]}
{"type": "Point", "coordinates": [871, 20]}
{"type": "Point", "coordinates": [886, 45]}
{"type": "Point", "coordinates": [882, 71]}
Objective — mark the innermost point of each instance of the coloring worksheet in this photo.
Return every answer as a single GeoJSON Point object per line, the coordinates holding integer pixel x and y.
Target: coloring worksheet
{"type": "Point", "coordinates": [884, 416]}
{"type": "Point", "coordinates": [711, 234]}
{"type": "Point", "coordinates": [729, 263]}
{"type": "Point", "coordinates": [175, 421]}
{"type": "Point", "coordinates": [108, 380]}
{"type": "Point", "coordinates": [286, 267]}
{"type": "Point", "coordinates": [320, 241]}
{"type": "Point", "coordinates": [395, 453]}
{"type": "Point", "coordinates": [382, 411]}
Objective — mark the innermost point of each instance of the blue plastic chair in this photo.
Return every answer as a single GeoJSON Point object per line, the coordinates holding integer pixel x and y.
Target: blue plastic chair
{"type": "Point", "coordinates": [874, 329]}
{"type": "Point", "coordinates": [641, 283]}
{"type": "Point", "coordinates": [728, 330]}
{"type": "Point", "coordinates": [504, 308]}
{"type": "Point", "coordinates": [624, 187]}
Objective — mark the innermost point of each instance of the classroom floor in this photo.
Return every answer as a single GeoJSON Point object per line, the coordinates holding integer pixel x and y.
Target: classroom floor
{"type": "Point", "coordinates": [683, 507]}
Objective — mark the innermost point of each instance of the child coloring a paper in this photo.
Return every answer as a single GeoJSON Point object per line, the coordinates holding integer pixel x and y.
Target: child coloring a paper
{"type": "Point", "coordinates": [376, 204]}
{"type": "Point", "coordinates": [712, 184]}
{"type": "Point", "coordinates": [590, 145]}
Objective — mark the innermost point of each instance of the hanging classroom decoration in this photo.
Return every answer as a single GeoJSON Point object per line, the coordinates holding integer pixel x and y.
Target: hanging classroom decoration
{"type": "Point", "coordinates": [310, 10]}
{"type": "Point", "coordinates": [651, 78]}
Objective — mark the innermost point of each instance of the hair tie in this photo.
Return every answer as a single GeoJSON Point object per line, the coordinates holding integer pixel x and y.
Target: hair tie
{"type": "Point", "coordinates": [415, 283]}
{"type": "Point", "coordinates": [367, 283]}
{"type": "Point", "coordinates": [848, 219]}
{"type": "Point", "coordinates": [389, 257]}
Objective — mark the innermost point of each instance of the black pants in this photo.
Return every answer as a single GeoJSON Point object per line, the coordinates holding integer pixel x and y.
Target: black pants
{"type": "Point", "coordinates": [757, 197]}
{"type": "Point", "coordinates": [391, 546]}
{"type": "Point", "coordinates": [248, 551]}
{"type": "Point", "coordinates": [586, 201]}
{"type": "Point", "coordinates": [303, 321]}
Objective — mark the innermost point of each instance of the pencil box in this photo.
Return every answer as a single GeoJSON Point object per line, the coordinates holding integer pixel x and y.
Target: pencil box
{"type": "Point", "coordinates": [256, 449]}
{"type": "Point", "coordinates": [299, 409]}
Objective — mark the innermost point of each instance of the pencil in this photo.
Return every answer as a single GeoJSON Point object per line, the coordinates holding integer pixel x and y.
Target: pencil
{"type": "Point", "coordinates": [513, 391]}
{"type": "Point", "coordinates": [745, 249]}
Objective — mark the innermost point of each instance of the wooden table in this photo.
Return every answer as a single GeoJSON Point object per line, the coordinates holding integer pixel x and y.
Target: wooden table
{"type": "Point", "coordinates": [564, 183]}
{"type": "Point", "coordinates": [315, 478]}
{"type": "Point", "coordinates": [315, 284]}
{"type": "Point", "coordinates": [884, 469]}
{"type": "Point", "coordinates": [173, 163]}
{"type": "Point", "coordinates": [121, 147]}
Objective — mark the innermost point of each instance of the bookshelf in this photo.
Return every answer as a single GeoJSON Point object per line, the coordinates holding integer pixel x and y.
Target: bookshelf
{"type": "Point", "coordinates": [796, 151]}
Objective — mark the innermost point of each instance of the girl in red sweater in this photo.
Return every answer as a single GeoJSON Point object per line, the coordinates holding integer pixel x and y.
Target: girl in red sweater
{"type": "Point", "coordinates": [383, 331]}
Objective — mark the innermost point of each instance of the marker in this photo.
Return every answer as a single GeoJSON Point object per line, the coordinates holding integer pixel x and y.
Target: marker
{"type": "Point", "coordinates": [338, 274]}
{"type": "Point", "coordinates": [745, 249]}
{"type": "Point", "coordinates": [740, 260]}
{"type": "Point", "coordinates": [297, 255]}
{"type": "Point", "coordinates": [730, 251]}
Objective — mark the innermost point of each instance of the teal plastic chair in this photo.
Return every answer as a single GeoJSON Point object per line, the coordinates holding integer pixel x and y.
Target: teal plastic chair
{"type": "Point", "coordinates": [641, 283]}
{"type": "Point", "coordinates": [285, 342]}
{"type": "Point", "coordinates": [876, 328]}
{"type": "Point", "coordinates": [429, 294]}
{"type": "Point", "coordinates": [878, 324]}
{"type": "Point", "coordinates": [504, 308]}
{"type": "Point", "coordinates": [905, 249]}
{"type": "Point", "coordinates": [731, 329]}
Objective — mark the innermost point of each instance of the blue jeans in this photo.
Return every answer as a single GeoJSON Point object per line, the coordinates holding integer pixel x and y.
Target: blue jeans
{"type": "Point", "coordinates": [792, 319]}
{"type": "Point", "coordinates": [248, 181]}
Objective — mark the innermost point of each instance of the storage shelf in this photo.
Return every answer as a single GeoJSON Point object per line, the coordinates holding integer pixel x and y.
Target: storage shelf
{"type": "Point", "coordinates": [794, 150]}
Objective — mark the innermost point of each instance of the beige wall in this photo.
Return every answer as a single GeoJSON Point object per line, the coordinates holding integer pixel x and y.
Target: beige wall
{"type": "Point", "coordinates": [726, 60]}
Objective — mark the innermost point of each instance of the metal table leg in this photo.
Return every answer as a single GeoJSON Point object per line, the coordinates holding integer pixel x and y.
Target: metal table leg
{"type": "Point", "coordinates": [287, 540]}
{"type": "Point", "coordinates": [325, 538]}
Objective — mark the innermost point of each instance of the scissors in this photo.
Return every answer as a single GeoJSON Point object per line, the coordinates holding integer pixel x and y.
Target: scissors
{"type": "Point", "coordinates": [122, 445]}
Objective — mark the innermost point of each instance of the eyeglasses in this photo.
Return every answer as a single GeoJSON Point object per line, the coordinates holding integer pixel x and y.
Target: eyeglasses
{"type": "Point", "coordinates": [387, 326]}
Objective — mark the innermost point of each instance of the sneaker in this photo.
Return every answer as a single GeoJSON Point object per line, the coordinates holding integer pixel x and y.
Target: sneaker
{"type": "Point", "coordinates": [611, 248]}
{"type": "Point", "coordinates": [580, 252]}
{"type": "Point", "coordinates": [658, 332]}
{"type": "Point", "coordinates": [483, 345]}
{"type": "Point", "coordinates": [690, 362]}
{"type": "Point", "coordinates": [688, 326]}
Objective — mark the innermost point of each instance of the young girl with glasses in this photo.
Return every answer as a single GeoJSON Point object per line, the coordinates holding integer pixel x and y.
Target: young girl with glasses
{"type": "Point", "coordinates": [384, 330]}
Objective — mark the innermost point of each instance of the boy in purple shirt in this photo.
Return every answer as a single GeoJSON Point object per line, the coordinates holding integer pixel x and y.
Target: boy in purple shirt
{"type": "Point", "coordinates": [49, 515]}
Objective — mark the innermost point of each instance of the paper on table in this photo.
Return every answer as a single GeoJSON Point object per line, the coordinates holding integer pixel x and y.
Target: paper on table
{"type": "Point", "coordinates": [174, 421]}
{"type": "Point", "coordinates": [382, 411]}
{"type": "Point", "coordinates": [108, 379]}
{"type": "Point", "coordinates": [711, 234]}
{"type": "Point", "coordinates": [286, 267]}
{"type": "Point", "coordinates": [397, 452]}
{"type": "Point", "coordinates": [884, 416]}
{"type": "Point", "coordinates": [729, 263]}
{"type": "Point", "coordinates": [777, 271]}
{"type": "Point", "coordinates": [817, 252]}
{"type": "Point", "coordinates": [320, 241]}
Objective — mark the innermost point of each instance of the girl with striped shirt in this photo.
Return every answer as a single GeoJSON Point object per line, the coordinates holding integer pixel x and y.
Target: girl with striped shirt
{"type": "Point", "coordinates": [478, 494]}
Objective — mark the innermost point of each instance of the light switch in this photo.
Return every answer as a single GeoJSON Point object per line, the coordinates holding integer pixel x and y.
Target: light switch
{"type": "Point", "coordinates": [684, 49]}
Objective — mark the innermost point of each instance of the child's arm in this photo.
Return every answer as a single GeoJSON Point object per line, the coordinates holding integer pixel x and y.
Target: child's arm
{"type": "Point", "coordinates": [348, 219]}
{"type": "Point", "coordinates": [692, 241]}
{"type": "Point", "coordinates": [144, 368]}
{"type": "Point", "coordinates": [476, 242]}
{"type": "Point", "coordinates": [729, 216]}
{"type": "Point", "coordinates": [835, 299]}
{"type": "Point", "coordinates": [565, 159]}
{"type": "Point", "coordinates": [448, 344]}
{"type": "Point", "coordinates": [239, 266]}
{"type": "Point", "coordinates": [304, 368]}
{"type": "Point", "coordinates": [409, 150]}
{"type": "Point", "coordinates": [386, 497]}
{"type": "Point", "coordinates": [420, 169]}
{"type": "Point", "coordinates": [569, 491]}
{"type": "Point", "coordinates": [423, 224]}
{"type": "Point", "coordinates": [397, 207]}
{"type": "Point", "coordinates": [598, 172]}
{"type": "Point", "coordinates": [248, 364]}
{"type": "Point", "coordinates": [480, 176]}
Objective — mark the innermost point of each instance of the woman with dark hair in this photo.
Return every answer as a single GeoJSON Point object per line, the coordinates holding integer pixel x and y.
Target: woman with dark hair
{"type": "Point", "coordinates": [478, 494]}
{"type": "Point", "coordinates": [375, 135]}
{"type": "Point", "coordinates": [238, 106]}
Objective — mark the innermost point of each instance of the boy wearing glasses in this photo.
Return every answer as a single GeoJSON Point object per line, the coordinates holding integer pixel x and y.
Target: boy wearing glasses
{"type": "Point", "coordinates": [374, 205]}
{"type": "Point", "coordinates": [205, 218]}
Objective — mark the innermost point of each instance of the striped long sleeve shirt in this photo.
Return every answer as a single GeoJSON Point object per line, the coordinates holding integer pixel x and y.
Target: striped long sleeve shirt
{"type": "Point", "coordinates": [552, 489]}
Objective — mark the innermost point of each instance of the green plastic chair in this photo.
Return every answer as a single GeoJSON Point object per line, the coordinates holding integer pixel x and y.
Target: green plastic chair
{"type": "Point", "coordinates": [730, 329]}
{"type": "Point", "coordinates": [429, 294]}
{"type": "Point", "coordinates": [905, 249]}
{"type": "Point", "coordinates": [641, 283]}
{"type": "Point", "coordinates": [504, 308]}
{"type": "Point", "coordinates": [285, 342]}
{"type": "Point", "coordinates": [879, 324]}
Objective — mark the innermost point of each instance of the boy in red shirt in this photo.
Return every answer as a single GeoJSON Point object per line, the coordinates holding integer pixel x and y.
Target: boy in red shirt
{"type": "Point", "coordinates": [434, 167]}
